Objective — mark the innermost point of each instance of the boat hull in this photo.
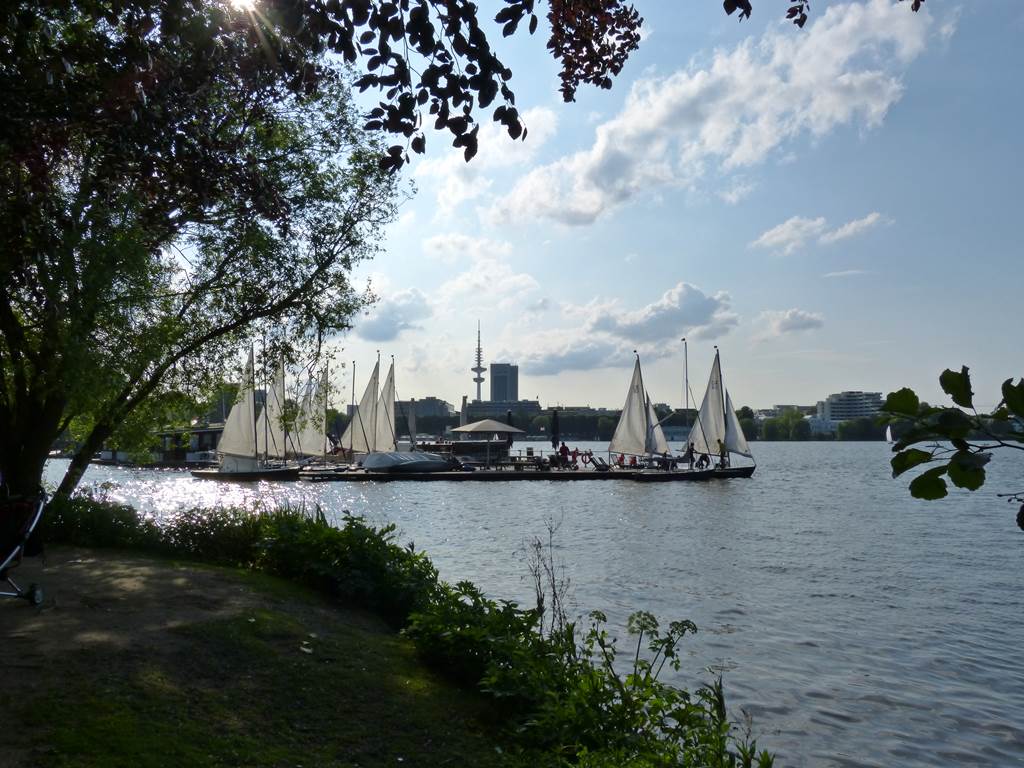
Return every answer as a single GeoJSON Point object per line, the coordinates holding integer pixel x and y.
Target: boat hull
{"type": "Point", "coordinates": [734, 472]}
{"type": "Point", "coordinates": [412, 462]}
{"type": "Point", "coordinates": [250, 476]}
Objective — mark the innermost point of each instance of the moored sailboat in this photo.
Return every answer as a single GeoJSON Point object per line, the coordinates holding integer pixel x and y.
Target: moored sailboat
{"type": "Point", "coordinates": [639, 434]}
{"type": "Point", "coordinates": [239, 447]}
{"type": "Point", "coordinates": [717, 430]}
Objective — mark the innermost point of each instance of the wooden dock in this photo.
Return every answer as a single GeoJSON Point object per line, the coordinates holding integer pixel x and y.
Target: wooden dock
{"type": "Point", "coordinates": [503, 475]}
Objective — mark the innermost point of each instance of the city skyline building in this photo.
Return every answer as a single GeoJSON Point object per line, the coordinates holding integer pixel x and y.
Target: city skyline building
{"type": "Point", "coordinates": [504, 382]}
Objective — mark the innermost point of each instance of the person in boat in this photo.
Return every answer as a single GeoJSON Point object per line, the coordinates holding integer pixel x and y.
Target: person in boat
{"type": "Point", "coordinates": [563, 451]}
{"type": "Point", "coordinates": [632, 461]}
{"type": "Point", "coordinates": [688, 456]}
{"type": "Point", "coordinates": [575, 455]}
{"type": "Point", "coordinates": [723, 455]}
{"type": "Point", "coordinates": [621, 461]}
{"type": "Point", "coordinates": [702, 461]}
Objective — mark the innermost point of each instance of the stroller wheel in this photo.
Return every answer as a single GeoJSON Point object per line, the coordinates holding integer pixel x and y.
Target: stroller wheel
{"type": "Point", "coordinates": [35, 594]}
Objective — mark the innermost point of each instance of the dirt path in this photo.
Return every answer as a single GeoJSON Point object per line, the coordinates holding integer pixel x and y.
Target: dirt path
{"type": "Point", "coordinates": [111, 599]}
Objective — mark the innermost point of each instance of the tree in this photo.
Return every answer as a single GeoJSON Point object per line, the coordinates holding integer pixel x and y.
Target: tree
{"type": "Point", "coordinates": [957, 441]}
{"type": "Point", "coordinates": [859, 429]}
{"type": "Point", "coordinates": [148, 233]}
{"type": "Point", "coordinates": [800, 430]}
{"type": "Point", "coordinates": [771, 429]}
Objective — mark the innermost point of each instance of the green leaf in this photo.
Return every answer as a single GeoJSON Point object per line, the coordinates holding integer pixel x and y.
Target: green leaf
{"type": "Point", "coordinates": [903, 401]}
{"type": "Point", "coordinates": [966, 469]}
{"type": "Point", "coordinates": [905, 460]}
{"type": "Point", "coordinates": [952, 423]}
{"type": "Point", "coordinates": [958, 386]}
{"type": "Point", "coordinates": [929, 485]}
{"type": "Point", "coordinates": [1013, 394]}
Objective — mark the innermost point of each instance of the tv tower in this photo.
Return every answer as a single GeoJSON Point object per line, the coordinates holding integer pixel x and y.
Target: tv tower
{"type": "Point", "coordinates": [479, 369]}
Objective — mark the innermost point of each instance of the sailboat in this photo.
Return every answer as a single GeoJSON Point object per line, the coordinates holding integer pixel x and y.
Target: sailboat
{"type": "Point", "coordinates": [717, 427]}
{"type": "Point", "coordinates": [639, 434]}
{"type": "Point", "coordinates": [372, 432]}
{"type": "Point", "coordinates": [239, 447]}
{"type": "Point", "coordinates": [888, 434]}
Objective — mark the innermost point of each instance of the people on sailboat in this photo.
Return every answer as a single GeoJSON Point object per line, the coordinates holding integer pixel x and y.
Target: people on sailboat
{"type": "Point", "coordinates": [723, 455]}
{"type": "Point", "coordinates": [632, 461]}
{"type": "Point", "coordinates": [563, 452]}
{"type": "Point", "coordinates": [702, 461]}
{"type": "Point", "coordinates": [687, 457]}
{"type": "Point", "coordinates": [621, 461]}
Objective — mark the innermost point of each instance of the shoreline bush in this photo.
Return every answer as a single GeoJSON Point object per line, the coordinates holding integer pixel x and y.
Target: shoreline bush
{"type": "Point", "coordinates": [559, 693]}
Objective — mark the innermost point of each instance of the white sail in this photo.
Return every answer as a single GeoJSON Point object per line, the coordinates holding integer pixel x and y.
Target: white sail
{"type": "Point", "coordinates": [270, 430]}
{"type": "Point", "coordinates": [631, 432]}
{"type": "Point", "coordinates": [310, 429]}
{"type": "Point", "coordinates": [656, 442]}
{"type": "Point", "coordinates": [888, 434]}
{"type": "Point", "coordinates": [735, 440]}
{"type": "Point", "coordinates": [239, 436]}
{"type": "Point", "coordinates": [361, 434]}
{"type": "Point", "coordinates": [717, 424]}
{"type": "Point", "coordinates": [386, 423]}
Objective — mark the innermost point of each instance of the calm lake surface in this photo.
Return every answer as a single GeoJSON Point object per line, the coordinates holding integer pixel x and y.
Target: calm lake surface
{"type": "Point", "coordinates": [856, 625]}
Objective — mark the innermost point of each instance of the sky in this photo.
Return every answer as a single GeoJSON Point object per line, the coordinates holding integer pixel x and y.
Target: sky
{"type": "Point", "coordinates": [837, 208]}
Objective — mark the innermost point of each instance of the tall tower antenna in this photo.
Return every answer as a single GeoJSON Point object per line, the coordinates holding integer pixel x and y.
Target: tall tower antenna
{"type": "Point", "coordinates": [479, 369]}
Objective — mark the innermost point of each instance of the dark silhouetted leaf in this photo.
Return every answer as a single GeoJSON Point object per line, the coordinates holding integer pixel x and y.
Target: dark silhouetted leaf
{"type": "Point", "coordinates": [966, 470]}
{"type": "Point", "coordinates": [903, 401]}
{"type": "Point", "coordinates": [958, 386]}
{"type": "Point", "coordinates": [905, 460]}
{"type": "Point", "coordinates": [1013, 394]}
{"type": "Point", "coordinates": [929, 485]}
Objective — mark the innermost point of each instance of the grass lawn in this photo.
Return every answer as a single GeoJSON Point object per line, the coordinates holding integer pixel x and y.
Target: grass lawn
{"type": "Point", "coordinates": [276, 677]}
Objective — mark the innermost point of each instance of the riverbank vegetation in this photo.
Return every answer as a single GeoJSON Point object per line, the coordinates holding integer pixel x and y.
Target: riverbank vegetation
{"type": "Point", "coordinates": [560, 695]}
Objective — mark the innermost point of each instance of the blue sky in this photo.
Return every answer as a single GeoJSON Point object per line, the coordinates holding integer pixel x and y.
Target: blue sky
{"type": "Point", "coordinates": [836, 208]}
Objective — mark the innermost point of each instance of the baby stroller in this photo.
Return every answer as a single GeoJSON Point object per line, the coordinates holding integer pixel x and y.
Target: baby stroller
{"type": "Point", "coordinates": [19, 517]}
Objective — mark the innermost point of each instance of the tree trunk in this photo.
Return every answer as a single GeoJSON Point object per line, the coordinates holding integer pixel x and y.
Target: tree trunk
{"type": "Point", "coordinates": [82, 457]}
{"type": "Point", "coordinates": [28, 435]}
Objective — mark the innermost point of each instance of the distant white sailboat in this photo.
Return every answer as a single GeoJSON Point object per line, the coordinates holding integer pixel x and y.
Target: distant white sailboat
{"type": "Point", "coordinates": [888, 434]}
{"type": "Point", "coordinates": [360, 435]}
{"type": "Point", "coordinates": [718, 427]}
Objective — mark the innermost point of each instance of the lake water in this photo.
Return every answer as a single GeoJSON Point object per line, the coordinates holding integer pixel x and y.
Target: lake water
{"type": "Point", "coordinates": [856, 625]}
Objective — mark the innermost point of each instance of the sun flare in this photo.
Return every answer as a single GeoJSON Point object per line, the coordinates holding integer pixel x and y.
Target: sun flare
{"type": "Point", "coordinates": [243, 5]}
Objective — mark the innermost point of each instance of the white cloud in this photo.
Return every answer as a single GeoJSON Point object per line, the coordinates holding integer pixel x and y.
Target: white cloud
{"type": "Point", "coordinates": [796, 231]}
{"type": "Point", "coordinates": [390, 316]}
{"type": "Point", "coordinates": [683, 310]}
{"type": "Point", "coordinates": [852, 228]}
{"type": "Point", "coordinates": [488, 284]}
{"type": "Point", "coordinates": [453, 246]}
{"type": "Point", "coordinates": [745, 103]}
{"type": "Point", "coordinates": [791, 234]}
{"type": "Point", "coordinates": [738, 191]}
{"type": "Point", "coordinates": [458, 181]}
{"type": "Point", "coordinates": [782, 322]}
{"type": "Point", "coordinates": [847, 273]}
{"type": "Point", "coordinates": [552, 353]}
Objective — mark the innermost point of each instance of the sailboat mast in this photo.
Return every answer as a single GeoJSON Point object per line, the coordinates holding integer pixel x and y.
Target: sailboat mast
{"type": "Point", "coordinates": [352, 415]}
{"type": "Point", "coordinates": [255, 420]}
{"type": "Point", "coordinates": [686, 386]}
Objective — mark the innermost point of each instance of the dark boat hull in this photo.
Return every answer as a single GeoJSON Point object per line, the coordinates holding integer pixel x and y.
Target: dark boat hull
{"type": "Point", "coordinates": [732, 472]}
{"type": "Point", "coordinates": [281, 473]}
